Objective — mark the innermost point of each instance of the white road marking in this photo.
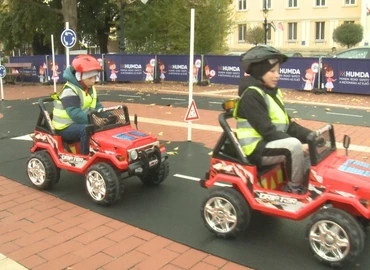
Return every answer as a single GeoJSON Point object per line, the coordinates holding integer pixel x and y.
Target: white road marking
{"type": "Point", "coordinates": [24, 137]}
{"type": "Point", "coordinates": [214, 102]}
{"type": "Point", "coordinates": [179, 99]}
{"type": "Point", "coordinates": [198, 179]}
{"type": "Point", "coordinates": [353, 147]}
{"type": "Point", "coordinates": [345, 114]}
{"type": "Point", "coordinates": [132, 96]}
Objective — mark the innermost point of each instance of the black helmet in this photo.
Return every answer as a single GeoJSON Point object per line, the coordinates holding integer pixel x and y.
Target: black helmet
{"type": "Point", "coordinates": [260, 53]}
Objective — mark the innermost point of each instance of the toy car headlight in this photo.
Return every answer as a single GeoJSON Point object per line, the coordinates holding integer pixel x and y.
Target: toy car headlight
{"type": "Point", "coordinates": [134, 155]}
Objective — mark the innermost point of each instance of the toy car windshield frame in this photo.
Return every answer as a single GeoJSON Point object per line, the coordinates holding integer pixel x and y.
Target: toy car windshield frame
{"type": "Point", "coordinates": [321, 144]}
{"type": "Point", "coordinates": [108, 118]}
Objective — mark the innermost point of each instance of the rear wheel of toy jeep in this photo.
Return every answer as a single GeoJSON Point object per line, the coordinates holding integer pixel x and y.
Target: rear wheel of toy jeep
{"type": "Point", "coordinates": [102, 184]}
{"type": "Point", "coordinates": [41, 170]}
{"type": "Point", "coordinates": [335, 237]}
{"type": "Point", "coordinates": [156, 176]}
{"type": "Point", "coordinates": [225, 212]}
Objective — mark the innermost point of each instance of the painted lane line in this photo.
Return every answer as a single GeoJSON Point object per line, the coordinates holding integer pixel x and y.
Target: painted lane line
{"type": "Point", "coordinates": [178, 99]}
{"type": "Point", "coordinates": [345, 114]}
{"type": "Point", "coordinates": [198, 179]}
{"type": "Point", "coordinates": [132, 96]}
{"type": "Point", "coordinates": [28, 137]}
{"type": "Point", "coordinates": [215, 102]}
{"type": "Point", "coordinates": [187, 177]}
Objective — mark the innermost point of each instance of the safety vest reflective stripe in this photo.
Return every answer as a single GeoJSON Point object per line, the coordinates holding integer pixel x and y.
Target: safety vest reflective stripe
{"type": "Point", "coordinates": [248, 137]}
{"type": "Point", "coordinates": [61, 118]}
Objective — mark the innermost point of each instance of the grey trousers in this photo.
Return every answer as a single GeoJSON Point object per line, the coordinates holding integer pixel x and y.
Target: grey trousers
{"type": "Point", "coordinates": [290, 151]}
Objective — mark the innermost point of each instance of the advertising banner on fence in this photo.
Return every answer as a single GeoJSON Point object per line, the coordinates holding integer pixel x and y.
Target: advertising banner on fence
{"type": "Point", "coordinates": [299, 73]}
{"type": "Point", "coordinates": [222, 69]}
{"type": "Point", "coordinates": [129, 67]}
{"type": "Point", "coordinates": [176, 68]}
{"type": "Point", "coordinates": [346, 75]}
{"type": "Point", "coordinates": [39, 67]}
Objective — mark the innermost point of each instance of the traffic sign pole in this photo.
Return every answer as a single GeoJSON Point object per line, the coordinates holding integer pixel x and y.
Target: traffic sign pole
{"type": "Point", "coordinates": [68, 39]}
{"type": "Point", "coordinates": [67, 48]}
{"type": "Point", "coordinates": [2, 75]}
{"type": "Point", "coordinates": [2, 89]}
{"type": "Point", "coordinates": [53, 55]}
{"type": "Point", "coordinates": [191, 61]}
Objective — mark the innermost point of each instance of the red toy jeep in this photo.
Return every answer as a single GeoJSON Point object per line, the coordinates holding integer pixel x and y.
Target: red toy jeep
{"type": "Point", "coordinates": [117, 151]}
{"type": "Point", "coordinates": [338, 195]}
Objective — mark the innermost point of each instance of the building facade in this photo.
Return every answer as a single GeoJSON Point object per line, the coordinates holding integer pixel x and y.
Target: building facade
{"type": "Point", "coordinates": [304, 26]}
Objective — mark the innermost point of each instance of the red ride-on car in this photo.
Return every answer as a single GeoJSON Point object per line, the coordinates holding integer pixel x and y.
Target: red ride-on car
{"type": "Point", "coordinates": [117, 151]}
{"type": "Point", "coordinates": [337, 198]}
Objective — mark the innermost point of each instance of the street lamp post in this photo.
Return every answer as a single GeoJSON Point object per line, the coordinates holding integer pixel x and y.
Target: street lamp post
{"type": "Point", "coordinates": [265, 14]}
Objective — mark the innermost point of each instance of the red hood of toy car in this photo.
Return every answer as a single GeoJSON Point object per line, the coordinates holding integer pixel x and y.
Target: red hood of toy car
{"type": "Point", "coordinates": [342, 173]}
{"type": "Point", "coordinates": [121, 137]}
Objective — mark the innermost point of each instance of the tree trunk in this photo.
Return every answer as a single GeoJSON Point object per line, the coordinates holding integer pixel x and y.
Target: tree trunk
{"type": "Point", "coordinates": [69, 10]}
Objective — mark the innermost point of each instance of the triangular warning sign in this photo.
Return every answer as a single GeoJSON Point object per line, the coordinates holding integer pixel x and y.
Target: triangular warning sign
{"type": "Point", "coordinates": [192, 113]}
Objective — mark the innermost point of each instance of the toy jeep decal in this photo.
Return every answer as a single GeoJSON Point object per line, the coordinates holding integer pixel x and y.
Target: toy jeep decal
{"type": "Point", "coordinates": [124, 136]}
{"type": "Point", "coordinates": [356, 167]}
{"type": "Point", "coordinates": [137, 133]}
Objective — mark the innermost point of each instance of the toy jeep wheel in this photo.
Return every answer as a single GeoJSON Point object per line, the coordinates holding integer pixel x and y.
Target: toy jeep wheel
{"type": "Point", "coordinates": [42, 171]}
{"type": "Point", "coordinates": [102, 184]}
{"type": "Point", "coordinates": [156, 176]}
{"type": "Point", "coordinates": [335, 237]}
{"type": "Point", "coordinates": [225, 212]}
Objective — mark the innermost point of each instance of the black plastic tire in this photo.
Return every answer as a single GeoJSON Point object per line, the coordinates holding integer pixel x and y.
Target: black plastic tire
{"type": "Point", "coordinates": [335, 237]}
{"type": "Point", "coordinates": [157, 176]}
{"type": "Point", "coordinates": [41, 170]}
{"type": "Point", "coordinates": [102, 184]}
{"type": "Point", "coordinates": [225, 212]}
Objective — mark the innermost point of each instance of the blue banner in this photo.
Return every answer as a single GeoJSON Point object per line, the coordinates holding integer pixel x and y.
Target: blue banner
{"type": "Point", "coordinates": [176, 68]}
{"type": "Point", "coordinates": [222, 69]}
{"type": "Point", "coordinates": [299, 73]}
{"type": "Point", "coordinates": [39, 69]}
{"type": "Point", "coordinates": [346, 75]}
{"type": "Point", "coordinates": [126, 67]}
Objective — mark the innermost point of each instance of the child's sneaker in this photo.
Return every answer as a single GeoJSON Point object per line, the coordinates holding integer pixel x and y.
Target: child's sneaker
{"type": "Point", "coordinates": [301, 189]}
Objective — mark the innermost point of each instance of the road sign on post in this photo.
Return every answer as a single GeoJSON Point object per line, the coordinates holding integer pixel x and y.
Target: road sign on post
{"type": "Point", "coordinates": [68, 38]}
{"type": "Point", "coordinates": [192, 113]}
{"type": "Point", "coordinates": [2, 71]}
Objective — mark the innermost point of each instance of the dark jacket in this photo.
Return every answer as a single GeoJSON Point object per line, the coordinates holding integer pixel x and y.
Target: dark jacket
{"type": "Point", "coordinates": [254, 108]}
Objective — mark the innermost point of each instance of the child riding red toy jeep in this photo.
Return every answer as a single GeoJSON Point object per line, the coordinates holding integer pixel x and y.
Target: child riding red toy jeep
{"type": "Point", "coordinates": [338, 195]}
{"type": "Point", "coordinates": [117, 152]}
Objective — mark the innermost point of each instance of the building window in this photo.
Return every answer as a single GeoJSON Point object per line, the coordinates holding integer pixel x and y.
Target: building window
{"type": "Point", "coordinates": [267, 3]}
{"type": "Point", "coordinates": [292, 3]}
{"type": "Point", "coordinates": [349, 2]}
{"type": "Point", "coordinates": [242, 4]}
{"type": "Point", "coordinates": [242, 30]}
{"type": "Point", "coordinates": [320, 30]}
{"type": "Point", "coordinates": [320, 3]}
{"type": "Point", "coordinates": [292, 31]}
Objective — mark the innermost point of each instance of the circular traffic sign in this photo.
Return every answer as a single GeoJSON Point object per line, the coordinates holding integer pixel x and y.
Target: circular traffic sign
{"type": "Point", "coordinates": [2, 71]}
{"type": "Point", "coordinates": [68, 38]}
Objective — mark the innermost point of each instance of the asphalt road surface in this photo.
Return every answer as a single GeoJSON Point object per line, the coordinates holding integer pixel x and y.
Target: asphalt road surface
{"type": "Point", "coordinates": [172, 210]}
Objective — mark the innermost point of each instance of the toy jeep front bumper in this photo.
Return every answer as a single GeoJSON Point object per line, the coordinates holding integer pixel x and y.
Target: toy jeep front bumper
{"type": "Point", "coordinates": [148, 160]}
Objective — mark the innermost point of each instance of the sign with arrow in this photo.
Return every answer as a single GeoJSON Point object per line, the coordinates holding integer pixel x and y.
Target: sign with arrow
{"type": "Point", "coordinates": [2, 71]}
{"type": "Point", "coordinates": [68, 38]}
